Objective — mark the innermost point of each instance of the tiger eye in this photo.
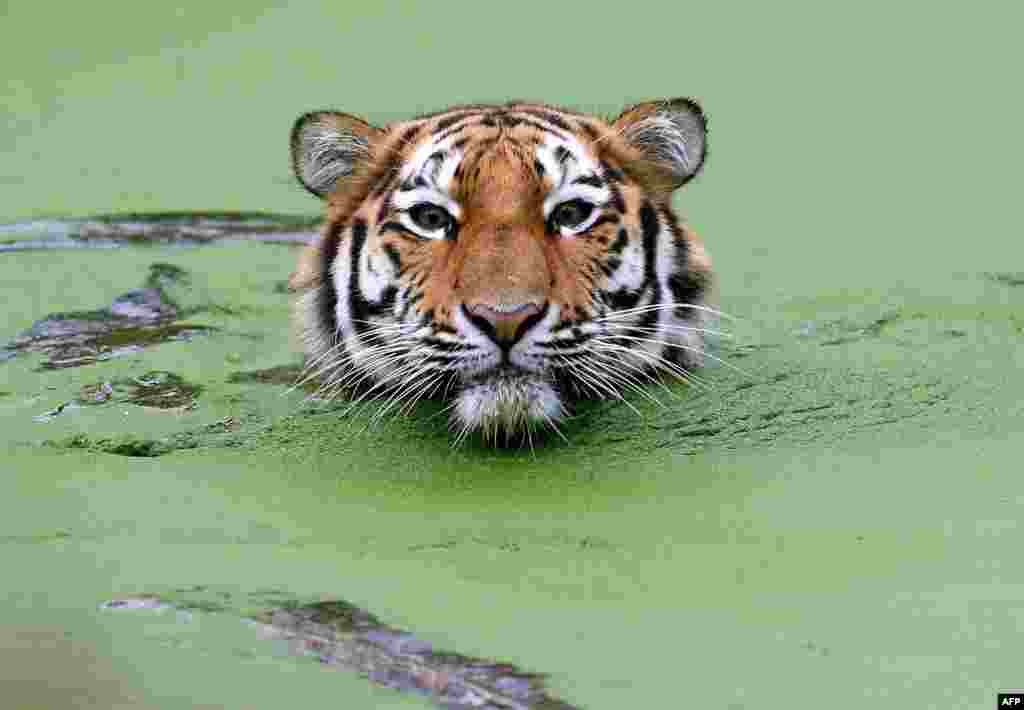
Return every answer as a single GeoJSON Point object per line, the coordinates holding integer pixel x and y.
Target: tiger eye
{"type": "Point", "coordinates": [494, 274]}
{"type": "Point", "coordinates": [430, 217]}
{"type": "Point", "coordinates": [571, 214]}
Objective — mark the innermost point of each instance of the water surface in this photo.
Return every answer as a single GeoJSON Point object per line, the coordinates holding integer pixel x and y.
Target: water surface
{"type": "Point", "coordinates": [839, 516]}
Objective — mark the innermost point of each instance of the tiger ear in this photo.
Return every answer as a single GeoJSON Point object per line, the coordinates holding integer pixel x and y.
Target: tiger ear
{"type": "Point", "coordinates": [327, 146]}
{"type": "Point", "coordinates": [672, 134]}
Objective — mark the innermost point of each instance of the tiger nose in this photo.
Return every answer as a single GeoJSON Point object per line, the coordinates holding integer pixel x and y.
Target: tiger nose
{"type": "Point", "coordinates": [502, 321]}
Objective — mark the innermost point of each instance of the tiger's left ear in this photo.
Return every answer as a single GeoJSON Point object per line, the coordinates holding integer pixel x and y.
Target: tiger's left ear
{"type": "Point", "coordinates": [672, 134]}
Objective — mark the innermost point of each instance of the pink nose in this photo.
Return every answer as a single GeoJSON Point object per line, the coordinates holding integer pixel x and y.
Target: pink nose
{"type": "Point", "coordinates": [503, 311]}
{"type": "Point", "coordinates": [504, 318]}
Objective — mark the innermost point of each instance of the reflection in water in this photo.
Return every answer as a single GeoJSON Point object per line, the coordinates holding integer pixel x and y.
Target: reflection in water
{"type": "Point", "coordinates": [345, 636]}
{"type": "Point", "coordinates": [183, 228]}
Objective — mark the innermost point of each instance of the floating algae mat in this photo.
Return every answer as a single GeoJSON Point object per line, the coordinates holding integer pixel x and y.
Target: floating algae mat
{"type": "Point", "coordinates": [837, 504]}
{"type": "Point", "coordinates": [163, 390]}
{"type": "Point", "coordinates": [831, 516]}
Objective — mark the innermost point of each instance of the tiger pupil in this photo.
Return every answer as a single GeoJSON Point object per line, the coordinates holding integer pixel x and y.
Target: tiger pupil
{"type": "Point", "coordinates": [572, 213]}
{"type": "Point", "coordinates": [430, 217]}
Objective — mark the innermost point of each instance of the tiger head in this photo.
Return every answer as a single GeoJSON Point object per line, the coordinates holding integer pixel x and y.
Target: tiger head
{"type": "Point", "coordinates": [510, 258]}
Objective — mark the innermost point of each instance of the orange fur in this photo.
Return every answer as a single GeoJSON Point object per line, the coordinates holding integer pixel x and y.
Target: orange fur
{"type": "Point", "coordinates": [508, 304]}
{"type": "Point", "coordinates": [487, 266]}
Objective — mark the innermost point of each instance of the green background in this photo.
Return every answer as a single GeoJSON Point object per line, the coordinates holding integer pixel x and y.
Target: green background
{"type": "Point", "coordinates": [837, 524]}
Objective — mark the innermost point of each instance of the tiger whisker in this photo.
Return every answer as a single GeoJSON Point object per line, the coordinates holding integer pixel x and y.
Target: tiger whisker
{"type": "Point", "coordinates": [648, 373]}
{"type": "Point", "coordinates": [578, 376]}
{"type": "Point", "coordinates": [606, 366]}
{"type": "Point", "coordinates": [375, 351]}
{"type": "Point", "coordinates": [641, 372]}
{"type": "Point", "coordinates": [554, 426]}
{"type": "Point", "coordinates": [311, 364]}
{"type": "Point", "coordinates": [408, 385]}
{"type": "Point", "coordinates": [584, 369]}
{"type": "Point", "coordinates": [688, 348]}
{"type": "Point", "coordinates": [383, 385]}
{"type": "Point", "coordinates": [656, 361]}
{"type": "Point", "coordinates": [664, 307]}
{"type": "Point", "coordinates": [435, 383]}
{"type": "Point", "coordinates": [411, 392]}
{"type": "Point", "coordinates": [668, 327]}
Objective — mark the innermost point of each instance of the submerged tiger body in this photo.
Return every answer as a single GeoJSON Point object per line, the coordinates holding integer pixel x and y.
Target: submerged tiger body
{"type": "Point", "coordinates": [511, 258]}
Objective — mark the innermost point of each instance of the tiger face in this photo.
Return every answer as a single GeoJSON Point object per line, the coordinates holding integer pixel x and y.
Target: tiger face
{"type": "Point", "coordinates": [510, 258]}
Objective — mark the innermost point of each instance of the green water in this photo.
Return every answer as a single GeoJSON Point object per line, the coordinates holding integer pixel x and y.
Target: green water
{"type": "Point", "coordinates": [840, 517]}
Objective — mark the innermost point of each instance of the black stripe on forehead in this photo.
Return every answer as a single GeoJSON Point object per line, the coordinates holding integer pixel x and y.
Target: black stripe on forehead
{"type": "Point", "coordinates": [431, 167]}
{"type": "Point", "coordinates": [496, 119]}
{"type": "Point", "coordinates": [549, 116]}
{"type": "Point", "coordinates": [464, 122]}
{"type": "Point", "coordinates": [506, 119]}
{"type": "Point", "coordinates": [527, 121]}
{"type": "Point", "coordinates": [450, 120]}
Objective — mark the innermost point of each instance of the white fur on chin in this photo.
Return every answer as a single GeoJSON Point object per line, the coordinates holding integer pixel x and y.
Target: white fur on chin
{"type": "Point", "coordinates": [507, 404]}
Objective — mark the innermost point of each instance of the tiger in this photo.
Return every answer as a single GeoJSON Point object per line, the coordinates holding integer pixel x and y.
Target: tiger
{"type": "Point", "coordinates": [511, 259]}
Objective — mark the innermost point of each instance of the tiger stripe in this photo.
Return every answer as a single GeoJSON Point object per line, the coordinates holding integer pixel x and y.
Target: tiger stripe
{"type": "Point", "coordinates": [513, 256]}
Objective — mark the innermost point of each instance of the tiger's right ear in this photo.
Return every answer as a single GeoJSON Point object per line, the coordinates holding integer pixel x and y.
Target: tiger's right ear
{"type": "Point", "coordinates": [327, 146]}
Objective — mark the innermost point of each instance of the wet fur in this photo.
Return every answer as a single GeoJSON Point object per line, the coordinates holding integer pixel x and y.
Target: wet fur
{"type": "Point", "coordinates": [383, 307]}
